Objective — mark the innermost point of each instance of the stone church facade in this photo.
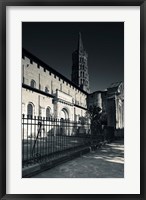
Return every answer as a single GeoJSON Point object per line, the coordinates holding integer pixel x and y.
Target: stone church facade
{"type": "Point", "coordinates": [47, 93]}
{"type": "Point", "coordinates": [111, 101]}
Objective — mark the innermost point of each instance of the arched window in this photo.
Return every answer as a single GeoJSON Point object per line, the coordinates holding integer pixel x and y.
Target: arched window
{"type": "Point", "coordinates": [48, 112]}
{"type": "Point", "coordinates": [46, 90]}
{"type": "Point", "coordinates": [30, 110]}
{"type": "Point", "coordinates": [33, 83]}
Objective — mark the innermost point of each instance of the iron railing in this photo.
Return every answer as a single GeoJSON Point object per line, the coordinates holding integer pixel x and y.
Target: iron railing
{"type": "Point", "coordinates": [46, 139]}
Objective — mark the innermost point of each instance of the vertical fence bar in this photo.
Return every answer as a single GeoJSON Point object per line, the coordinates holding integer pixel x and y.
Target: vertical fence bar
{"type": "Point", "coordinates": [45, 134]}
{"type": "Point", "coordinates": [31, 120]}
{"type": "Point", "coordinates": [37, 142]}
{"type": "Point", "coordinates": [57, 148]}
{"type": "Point", "coordinates": [62, 135]}
{"type": "Point", "coordinates": [59, 135]}
{"type": "Point", "coordinates": [34, 136]}
{"type": "Point", "coordinates": [46, 144]}
{"type": "Point", "coordinates": [39, 135]}
{"type": "Point", "coordinates": [27, 142]}
{"type": "Point", "coordinates": [48, 133]}
{"type": "Point", "coordinates": [56, 145]}
{"type": "Point", "coordinates": [51, 144]}
{"type": "Point", "coordinates": [53, 136]}
{"type": "Point", "coordinates": [66, 133]}
{"type": "Point", "coordinates": [23, 140]}
{"type": "Point", "coordinates": [44, 137]}
{"type": "Point", "coordinates": [58, 131]}
{"type": "Point", "coordinates": [63, 128]}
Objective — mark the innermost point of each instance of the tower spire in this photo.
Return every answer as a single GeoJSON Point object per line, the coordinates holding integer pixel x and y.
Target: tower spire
{"type": "Point", "coordinates": [80, 43]}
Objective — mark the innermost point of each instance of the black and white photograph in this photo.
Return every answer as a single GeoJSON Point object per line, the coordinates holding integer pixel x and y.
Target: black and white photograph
{"type": "Point", "coordinates": [72, 100]}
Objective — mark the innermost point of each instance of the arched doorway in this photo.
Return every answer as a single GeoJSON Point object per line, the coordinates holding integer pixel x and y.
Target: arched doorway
{"type": "Point", "coordinates": [64, 122]}
{"type": "Point", "coordinates": [64, 114]}
{"type": "Point", "coordinates": [48, 112]}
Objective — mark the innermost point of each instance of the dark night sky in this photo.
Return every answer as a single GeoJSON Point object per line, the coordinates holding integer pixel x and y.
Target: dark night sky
{"type": "Point", "coordinates": [54, 42]}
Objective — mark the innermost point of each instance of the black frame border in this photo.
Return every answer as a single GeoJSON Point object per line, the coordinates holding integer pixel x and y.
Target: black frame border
{"type": "Point", "coordinates": [3, 5]}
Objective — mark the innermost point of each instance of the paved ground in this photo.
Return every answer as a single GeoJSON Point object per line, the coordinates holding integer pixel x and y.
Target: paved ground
{"type": "Point", "coordinates": [108, 162]}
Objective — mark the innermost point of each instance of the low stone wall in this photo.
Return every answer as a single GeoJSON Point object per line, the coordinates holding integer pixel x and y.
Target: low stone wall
{"type": "Point", "coordinates": [30, 171]}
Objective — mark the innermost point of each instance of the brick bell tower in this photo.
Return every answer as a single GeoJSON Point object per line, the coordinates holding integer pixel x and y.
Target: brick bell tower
{"type": "Point", "coordinates": [80, 74]}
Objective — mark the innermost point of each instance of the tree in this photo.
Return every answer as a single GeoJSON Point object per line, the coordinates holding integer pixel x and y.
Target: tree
{"type": "Point", "coordinates": [83, 120]}
{"type": "Point", "coordinates": [103, 118]}
{"type": "Point", "coordinates": [97, 118]}
{"type": "Point", "coordinates": [94, 113]}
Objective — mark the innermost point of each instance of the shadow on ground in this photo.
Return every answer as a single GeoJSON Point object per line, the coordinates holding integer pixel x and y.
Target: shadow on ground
{"type": "Point", "coordinates": [107, 162]}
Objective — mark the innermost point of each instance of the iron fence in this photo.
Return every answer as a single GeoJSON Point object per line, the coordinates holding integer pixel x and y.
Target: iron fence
{"type": "Point", "coordinates": [45, 139]}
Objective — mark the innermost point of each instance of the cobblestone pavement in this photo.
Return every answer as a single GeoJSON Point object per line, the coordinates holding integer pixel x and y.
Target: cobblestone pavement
{"type": "Point", "coordinates": [107, 162]}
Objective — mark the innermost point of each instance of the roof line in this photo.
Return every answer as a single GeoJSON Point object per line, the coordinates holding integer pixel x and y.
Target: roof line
{"type": "Point", "coordinates": [47, 67]}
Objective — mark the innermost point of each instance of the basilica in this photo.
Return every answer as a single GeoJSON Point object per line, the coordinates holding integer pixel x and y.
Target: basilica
{"type": "Point", "coordinates": [48, 93]}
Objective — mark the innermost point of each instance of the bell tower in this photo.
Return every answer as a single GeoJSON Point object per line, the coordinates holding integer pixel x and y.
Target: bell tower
{"type": "Point", "coordinates": [80, 75]}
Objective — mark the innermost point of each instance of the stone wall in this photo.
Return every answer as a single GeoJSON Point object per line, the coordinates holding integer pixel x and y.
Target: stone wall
{"type": "Point", "coordinates": [63, 95]}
